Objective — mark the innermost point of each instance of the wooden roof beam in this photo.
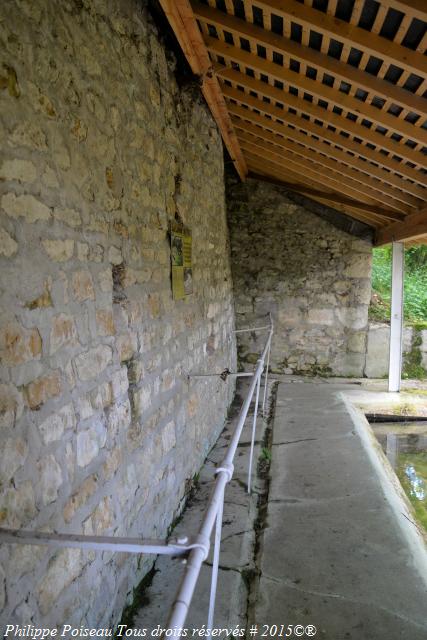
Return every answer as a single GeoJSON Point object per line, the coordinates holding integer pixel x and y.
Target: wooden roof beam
{"type": "Point", "coordinates": [359, 182]}
{"type": "Point", "coordinates": [317, 89]}
{"type": "Point", "coordinates": [185, 27]}
{"type": "Point", "coordinates": [342, 71]}
{"type": "Point", "coordinates": [322, 132]}
{"type": "Point", "coordinates": [414, 226]}
{"type": "Point", "coordinates": [353, 36]}
{"type": "Point", "coordinates": [264, 169]}
{"type": "Point", "coordinates": [412, 8]}
{"type": "Point", "coordinates": [386, 180]}
{"type": "Point", "coordinates": [338, 191]}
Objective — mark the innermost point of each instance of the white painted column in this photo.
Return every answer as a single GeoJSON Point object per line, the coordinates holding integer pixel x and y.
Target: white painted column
{"type": "Point", "coordinates": [396, 319]}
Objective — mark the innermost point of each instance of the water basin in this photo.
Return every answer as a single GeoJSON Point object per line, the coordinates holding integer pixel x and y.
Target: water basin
{"type": "Point", "coordinates": [405, 445]}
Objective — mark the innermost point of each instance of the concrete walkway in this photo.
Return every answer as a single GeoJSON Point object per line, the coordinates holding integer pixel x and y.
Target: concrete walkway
{"type": "Point", "coordinates": [334, 554]}
{"type": "Point", "coordinates": [325, 542]}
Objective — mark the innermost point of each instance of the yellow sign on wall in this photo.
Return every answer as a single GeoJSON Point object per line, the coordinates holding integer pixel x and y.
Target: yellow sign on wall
{"type": "Point", "coordinates": [181, 261]}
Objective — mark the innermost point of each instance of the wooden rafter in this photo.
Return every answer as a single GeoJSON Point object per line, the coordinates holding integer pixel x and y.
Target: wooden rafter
{"type": "Point", "coordinates": [330, 178]}
{"type": "Point", "coordinates": [414, 227]}
{"type": "Point", "coordinates": [343, 72]}
{"type": "Point", "coordinates": [331, 104]}
{"type": "Point", "coordinates": [352, 127]}
{"type": "Point", "coordinates": [363, 151]}
{"type": "Point", "coordinates": [353, 36]}
{"type": "Point", "coordinates": [343, 195]}
{"type": "Point", "coordinates": [366, 189]}
{"type": "Point", "coordinates": [331, 199]}
{"type": "Point", "coordinates": [385, 180]}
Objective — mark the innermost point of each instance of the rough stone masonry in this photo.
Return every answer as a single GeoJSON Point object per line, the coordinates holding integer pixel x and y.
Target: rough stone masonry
{"type": "Point", "coordinates": [101, 431]}
{"type": "Point", "coordinates": [313, 277]}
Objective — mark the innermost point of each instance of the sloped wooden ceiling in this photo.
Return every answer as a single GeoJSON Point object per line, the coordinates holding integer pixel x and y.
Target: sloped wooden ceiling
{"type": "Point", "coordinates": [328, 97]}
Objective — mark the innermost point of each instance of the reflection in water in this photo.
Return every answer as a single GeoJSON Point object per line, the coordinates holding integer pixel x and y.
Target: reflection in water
{"type": "Point", "coordinates": [405, 445]}
{"type": "Point", "coordinates": [418, 485]}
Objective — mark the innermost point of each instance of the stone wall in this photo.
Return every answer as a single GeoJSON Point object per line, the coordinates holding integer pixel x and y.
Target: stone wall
{"type": "Point", "coordinates": [101, 431]}
{"type": "Point", "coordinates": [313, 277]}
{"type": "Point", "coordinates": [414, 356]}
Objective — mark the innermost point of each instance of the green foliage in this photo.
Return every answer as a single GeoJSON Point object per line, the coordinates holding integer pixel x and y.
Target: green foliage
{"type": "Point", "coordinates": [266, 454]}
{"type": "Point", "coordinates": [415, 308]}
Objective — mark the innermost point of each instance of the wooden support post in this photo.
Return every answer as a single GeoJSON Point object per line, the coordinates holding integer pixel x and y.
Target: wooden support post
{"type": "Point", "coordinates": [396, 319]}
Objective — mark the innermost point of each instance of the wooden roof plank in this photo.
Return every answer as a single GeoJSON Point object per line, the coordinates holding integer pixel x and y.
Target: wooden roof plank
{"type": "Point", "coordinates": [380, 47]}
{"type": "Point", "coordinates": [355, 180]}
{"type": "Point", "coordinates": [330, 199]}
{"type": "Point", "coordinates": [412, 8]}
{"type": "Point", "coordinates": [386, 180]}
{"type": "Point", "coordinates": [413, 227]}
{"type": "Point", "coordinates": [324, 133]}
{"type": "Point", "coordinates": [289, 77]}
{"type": "Point", "coordinates": [326, 181]}
{"type": "Point", "coordinates": [337, 68]}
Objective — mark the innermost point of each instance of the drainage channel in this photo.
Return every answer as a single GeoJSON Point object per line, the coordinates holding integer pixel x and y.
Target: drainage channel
{"type": "Point", "coordinates": [241, 546]}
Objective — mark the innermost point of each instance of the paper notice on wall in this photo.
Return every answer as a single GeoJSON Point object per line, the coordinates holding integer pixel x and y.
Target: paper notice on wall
{"type": "Point", "coordinates": [188, 269]}
{"type": "Point", "coordinates": [181, 264]}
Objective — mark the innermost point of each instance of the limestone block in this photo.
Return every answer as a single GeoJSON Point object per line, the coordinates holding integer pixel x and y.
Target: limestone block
{"type": "Point", "coordinates": [321, 316]}
{"type": "Point", "coordinates": [82, 285]}
{"type": "Point", "coordinates": [29, 134]}
{"type": "Point", "coordinates": [141, 400]}
{"type": "Point", "coordinates": [115, 255]}
{"type": "Point", "coordinates": [377, 353]}
{"type": "Point", "coordinates": [19, 345]}
{"type": "Point", "coordinates": [168, 437]}
{"type": "Point", "coordinates": [102, 396]}
{"type": "Point", "coordinates": [8, 246]}
{"type": "Point", "coordinates": [89, 365]}
{"type": "Point", "coordinates": [82, 251]}
{"type": "Point", "coordinates": [42, 389]}
{"type": "Point", "coordinates": [50, 479]}
{"type": "Point", "coordinates": [80, 497]}
{"type": "Point", "coordinates": [68, 216]}
{"type": "Point", "coordinates": [27, 207]}
{"type": "Point", "coordinates": [357, 342]}
{"type": "Point", "coordinates": [112, 463]}
{"type": "Point", "coordinates": [11, 405]}
{"type": "Point", "coordinates": [19, 170]}
{"type": "Point", "coordinates": [50, 178]}
{"type": "Point", "coordinates": [407, 338]}
{"type": "Point", "coordinates": [359, 266]}
{"type": "Point", "coordinates": [55, 425]}
{"type": "Point", "coordinates": [63, 332]}
{"type": "Point", "coordinates": [126, 345]}
{"type": "Point", "coordinates": [349, 364]}
{"type": "Point", "coordinates": [362, 292]}
{"type": "Point", "coordinates": [120, 383]}
{"type": "Point", "coordinates": [24, 558]}
{"type": "Point", "coordinates": [13, 455]}
{"type": "Point", "coordinates": [118, 420]}
{"type": "Point", "coordinates": [355, 318]}
{"type": "Point", "coordinates": [18, 506]}
{"type": "Point", "coordinates": [103, 516]}
{"type": "Point", "coordinates": [105, 279]}
{"type": "Point", "coordinates": [89, 443]}
{"type": "Point", "coordinates": [64, 567]}
{"type": "Point", "coordinates": [289, 316]}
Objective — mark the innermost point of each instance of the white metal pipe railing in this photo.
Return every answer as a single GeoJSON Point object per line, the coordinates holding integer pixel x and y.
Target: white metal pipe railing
{"type": "Point", "coordinates": [224, 474]}
{"type": "Point", "coordinates": [196, 547]}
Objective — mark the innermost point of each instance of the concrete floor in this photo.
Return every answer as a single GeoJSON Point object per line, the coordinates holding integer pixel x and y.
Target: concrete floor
{"type": "Point", "coordinates": [335, 554]}
{"type": "Point", "coordinates": [333, 545]}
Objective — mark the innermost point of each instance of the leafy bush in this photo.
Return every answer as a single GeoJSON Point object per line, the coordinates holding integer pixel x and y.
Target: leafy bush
{"type": "Point", "coordinates": [415, 284]}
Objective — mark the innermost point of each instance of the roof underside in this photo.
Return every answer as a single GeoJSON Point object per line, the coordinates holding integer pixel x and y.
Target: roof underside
{"type": "Point", "coordinates": [327, 97]}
